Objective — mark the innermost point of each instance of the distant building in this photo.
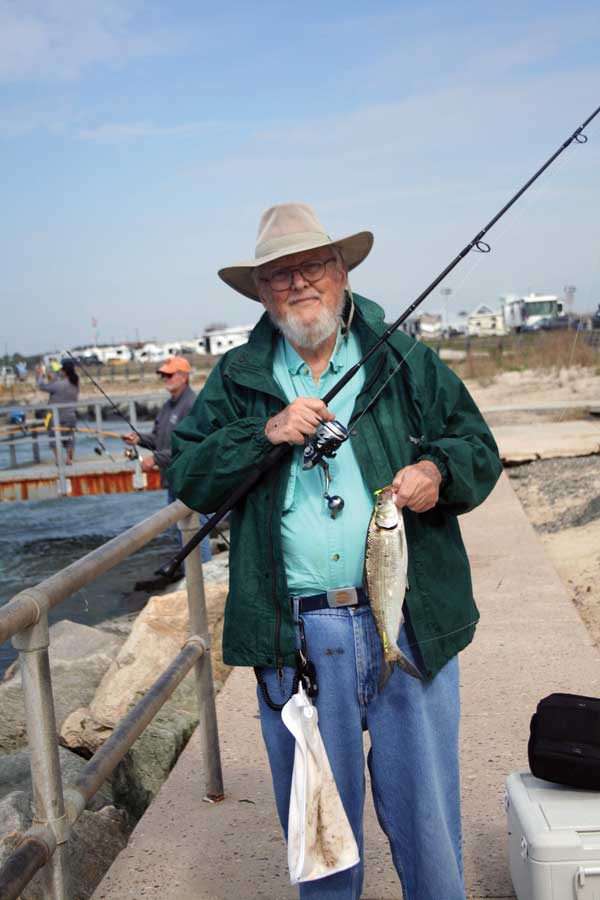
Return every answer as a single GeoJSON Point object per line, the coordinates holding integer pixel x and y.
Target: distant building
{"type": "Point", "coordinates": [223, 339]}
{"type": "Point", "coordinates": [429, 325]}
{"type": "Point", "coordinates": [156, 353]}
{"type": "Point", "coordinates": [115, 354]}
{"type": "Point", "coordinates": [484, 321]}
{"type": "Point", "coordinates": [197, 345]}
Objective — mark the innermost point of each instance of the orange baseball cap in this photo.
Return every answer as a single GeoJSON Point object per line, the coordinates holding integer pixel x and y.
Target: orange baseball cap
{"type": "Point", "coordinates": [175, 364]}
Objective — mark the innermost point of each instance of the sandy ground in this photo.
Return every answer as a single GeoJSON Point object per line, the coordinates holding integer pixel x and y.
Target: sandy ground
{"type": "Point", "coordinates": [533, 387]}
{"type": "Point", "coordinates": [560, 496]}
{"type": "Point", "coordinates": [562, 499]}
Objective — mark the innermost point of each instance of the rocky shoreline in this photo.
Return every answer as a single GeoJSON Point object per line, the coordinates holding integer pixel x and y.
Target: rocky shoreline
{"type": "Point", "coordinates": [98, 674]}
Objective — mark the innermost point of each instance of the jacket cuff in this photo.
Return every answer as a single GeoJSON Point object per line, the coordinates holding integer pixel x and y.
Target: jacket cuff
{"type": "Point", "coordinates": [260, 437]}
{"type": "Point", "coordinates": [439, 462]}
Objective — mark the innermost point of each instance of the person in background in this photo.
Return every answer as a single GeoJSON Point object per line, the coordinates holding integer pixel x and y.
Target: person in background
{"type": "Point", "coordinates": [64, 389]}
{"type": "Point", "coordinates": [175, 374]}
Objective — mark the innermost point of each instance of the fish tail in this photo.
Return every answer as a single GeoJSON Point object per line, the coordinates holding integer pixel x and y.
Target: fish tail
{"type": "Point", "coordinates": [404, 662]}
{"type": "Point", "coordinates": [385, 670]}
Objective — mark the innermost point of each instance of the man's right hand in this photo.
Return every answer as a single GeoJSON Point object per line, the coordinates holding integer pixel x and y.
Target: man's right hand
{"type": "Point", "coordinates": [131, 438]}
{"type": "Point", "coordinates": [298, 420]}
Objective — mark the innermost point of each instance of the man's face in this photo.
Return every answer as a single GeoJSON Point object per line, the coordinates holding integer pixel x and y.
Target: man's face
{"type": "Point", "coordinates": [174, 383]}
{"type": "Point", "coordinates": [307, 310]}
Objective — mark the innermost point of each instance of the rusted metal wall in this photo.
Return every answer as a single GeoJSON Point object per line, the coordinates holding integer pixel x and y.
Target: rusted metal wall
{"type": "Point", "coordinates": [20, 487]}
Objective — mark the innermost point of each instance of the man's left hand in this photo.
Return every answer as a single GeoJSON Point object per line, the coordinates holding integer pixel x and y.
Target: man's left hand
{"type": "Point", "coordinates": [148, 464]}
{"type": "Point", "coordinates": [417, 486]}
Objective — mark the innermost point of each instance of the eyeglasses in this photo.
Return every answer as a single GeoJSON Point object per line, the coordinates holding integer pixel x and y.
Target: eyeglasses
{"type": "Point", "coordinates": [312, 270]}
{"type": "Point", "coordinates": [166, 374]}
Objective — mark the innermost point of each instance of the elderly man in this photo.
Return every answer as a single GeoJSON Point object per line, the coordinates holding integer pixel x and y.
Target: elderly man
{"type": "Point", "coordinates": [413, 425]}
{"type": "Point", "coordinates": [175, 375]}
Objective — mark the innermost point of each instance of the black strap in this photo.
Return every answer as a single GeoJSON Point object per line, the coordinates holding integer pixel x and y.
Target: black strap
{"type": "Point", "coordinates": [306, 673]}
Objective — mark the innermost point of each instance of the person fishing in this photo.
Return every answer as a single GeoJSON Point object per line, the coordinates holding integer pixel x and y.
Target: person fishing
{"type": "Point", "coordinates": [298, 539]}
{"type": "Point", "coordinates": [63, 389]}
{"type": "Point", "coordinates": [175, 375]}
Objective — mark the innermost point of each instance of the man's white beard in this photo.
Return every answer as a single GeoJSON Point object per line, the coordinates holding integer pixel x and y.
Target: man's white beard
{"type": "Point", "coordinates": [308, 336]}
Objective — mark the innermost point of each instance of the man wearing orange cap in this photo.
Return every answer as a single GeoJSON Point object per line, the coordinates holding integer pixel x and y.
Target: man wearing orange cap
{"type": "Point", "coordinates": [175, 374]}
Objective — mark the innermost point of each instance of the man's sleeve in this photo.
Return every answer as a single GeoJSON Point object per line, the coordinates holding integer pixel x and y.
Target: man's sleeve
{"type": "Point", "coordinates": [458, 440]}
{"type": "Point", "coordinates": [215, 447]}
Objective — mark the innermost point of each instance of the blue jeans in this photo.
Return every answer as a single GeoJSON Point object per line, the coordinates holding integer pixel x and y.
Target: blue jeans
{"type": "Point", "coordinates": [205, 550]}
{"type": "Point", "coordinates": [413, 760]}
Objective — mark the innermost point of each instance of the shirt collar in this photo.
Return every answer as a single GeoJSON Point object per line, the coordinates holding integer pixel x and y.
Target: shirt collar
{"type": "Point", "coordinates": [295, 364]}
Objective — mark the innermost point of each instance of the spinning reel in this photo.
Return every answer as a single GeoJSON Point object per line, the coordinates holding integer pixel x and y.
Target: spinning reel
{"type": "Point", "coordinates": [325, 443]}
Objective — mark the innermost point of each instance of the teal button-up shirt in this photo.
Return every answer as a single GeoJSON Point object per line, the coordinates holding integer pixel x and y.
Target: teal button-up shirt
{"type": "Point", "coordinates": [321, 553]}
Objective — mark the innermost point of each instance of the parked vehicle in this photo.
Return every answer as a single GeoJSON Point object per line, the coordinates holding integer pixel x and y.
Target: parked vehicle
{"type": "Point", "coordinates": [92, 360]}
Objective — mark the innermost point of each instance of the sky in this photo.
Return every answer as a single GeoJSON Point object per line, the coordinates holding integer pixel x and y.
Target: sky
{"type": "Point", "coordinates": [140, 142]}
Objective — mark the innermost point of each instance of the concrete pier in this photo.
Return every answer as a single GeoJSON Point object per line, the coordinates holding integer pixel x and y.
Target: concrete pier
{"type": "Point", "coordinates": [530, 642]}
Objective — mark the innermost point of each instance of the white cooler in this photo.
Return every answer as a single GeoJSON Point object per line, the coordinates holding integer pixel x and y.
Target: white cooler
{"type": "Point", "coordinates": [553, 839]}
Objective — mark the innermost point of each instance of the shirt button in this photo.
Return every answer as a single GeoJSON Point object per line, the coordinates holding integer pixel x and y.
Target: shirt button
{"type": "Point", "coordinates": [335, 557]}
{"type": "Point", "coordinates": [305, 371]}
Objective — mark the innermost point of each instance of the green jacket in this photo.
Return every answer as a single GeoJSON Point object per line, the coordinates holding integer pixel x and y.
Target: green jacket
{"type": "Point", "coordinates": [425, 412]}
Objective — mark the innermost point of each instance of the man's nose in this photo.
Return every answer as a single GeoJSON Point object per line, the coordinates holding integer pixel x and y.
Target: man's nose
{"type": "Point", "coordinates": [298, 280]}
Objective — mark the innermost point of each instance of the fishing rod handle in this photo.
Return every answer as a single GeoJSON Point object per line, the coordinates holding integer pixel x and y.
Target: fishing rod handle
{"type": "Point", "coordinates": [272, 458]}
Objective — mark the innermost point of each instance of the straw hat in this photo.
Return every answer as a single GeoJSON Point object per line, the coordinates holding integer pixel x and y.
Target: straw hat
{"type": "Point", "coordinates": [291, 228]}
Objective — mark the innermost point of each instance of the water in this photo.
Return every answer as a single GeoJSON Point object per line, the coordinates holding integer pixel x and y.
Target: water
{"type": "Point", "coordinates": [37, 538]}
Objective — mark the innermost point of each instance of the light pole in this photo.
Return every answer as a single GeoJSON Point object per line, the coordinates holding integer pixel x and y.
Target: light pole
{"type": "Point", "coordinates": [569, 291]}
{"type": "Point", "coordinates": [445, 292]}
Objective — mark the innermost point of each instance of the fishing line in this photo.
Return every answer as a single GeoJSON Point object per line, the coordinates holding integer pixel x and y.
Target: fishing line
{"type": "Point", "coordinates": [511, 223]}
{"type": "Point", "coordinates": [446, 634]}
{"type": "Point", "coordinates": [276, 455]}
{"type": "Point", "coordinates": [577, 332]}
{"type": "Point", "coordinates": [510, 226]}
{"type": "Point", "coordinates": [104, 394]}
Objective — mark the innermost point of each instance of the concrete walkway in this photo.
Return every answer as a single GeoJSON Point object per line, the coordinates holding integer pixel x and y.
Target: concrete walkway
{"type": "Point", "coordinates": [547, 440]}
{"type": "Point", "coordinates": [530, 642]}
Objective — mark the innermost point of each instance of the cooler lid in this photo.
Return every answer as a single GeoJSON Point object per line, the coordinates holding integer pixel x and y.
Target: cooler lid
{"type": "Point", "coordinates": [568, 821]}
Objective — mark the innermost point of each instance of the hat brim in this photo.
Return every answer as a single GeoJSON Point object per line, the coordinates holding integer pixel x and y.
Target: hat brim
{"type": "Point", "coordinates": [355, 249]}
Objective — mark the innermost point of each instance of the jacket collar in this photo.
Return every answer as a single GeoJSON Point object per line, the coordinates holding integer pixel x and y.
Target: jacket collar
{"type": "Point", "coordinates": [252, 365]}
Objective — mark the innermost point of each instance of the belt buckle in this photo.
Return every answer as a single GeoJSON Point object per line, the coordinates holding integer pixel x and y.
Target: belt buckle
{"type": "Point", "coordinates": [342, 597]}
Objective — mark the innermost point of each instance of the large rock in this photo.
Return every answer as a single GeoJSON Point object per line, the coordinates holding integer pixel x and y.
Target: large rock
{"type": "Point", "coordinates": [15, 775]}
{"type": "Point", "coordinates": [98, 836]}
{"type": "Point", "coordinates": [96, 839]}
{"type": "Point", "coordinates": [156, 638]}
{"type": "Point", "coordinates": [158, 634]}
{"type": "Point", "coordinates": [144, 769]}
{"type": "Point", "coordinates": [79, 657]}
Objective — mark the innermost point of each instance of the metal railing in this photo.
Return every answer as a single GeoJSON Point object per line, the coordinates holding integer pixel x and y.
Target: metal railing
{"type": "Point", "coordinates": [58, 806]}
{"type": "Point", "coordinates": [34, 431]}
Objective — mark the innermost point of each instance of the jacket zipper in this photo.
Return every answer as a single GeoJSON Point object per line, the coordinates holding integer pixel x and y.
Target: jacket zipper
{"type": "Point", "coordinates": [277, 640]}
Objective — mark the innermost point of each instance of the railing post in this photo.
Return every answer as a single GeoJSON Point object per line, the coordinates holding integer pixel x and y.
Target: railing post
{"type": "Point", "coordinates": [48, 804]}
{"type": "Point", "coordinates": [209, 733]}
{"type": "Point", "coordinates": [98, 415]}
{"type": "Point", "coordinates": [12, 453]}
{"type": "Point", "coordinates": [133, 413]}
{"type": "Point", "coordinates": [35, 447]}
{"type": "Point", "coordinates": [60, 460]}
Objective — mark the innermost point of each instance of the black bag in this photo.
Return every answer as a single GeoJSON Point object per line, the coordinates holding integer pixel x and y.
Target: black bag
{"type": "Point", "coordinates": [564, 741]}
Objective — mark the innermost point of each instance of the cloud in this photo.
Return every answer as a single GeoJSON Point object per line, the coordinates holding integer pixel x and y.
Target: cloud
{"type": "Point", "coordinates": [56, 40]}
{"type": "Point", "coordinates": [116, 132]}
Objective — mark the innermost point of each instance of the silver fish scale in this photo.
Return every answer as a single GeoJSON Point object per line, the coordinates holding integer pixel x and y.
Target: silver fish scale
{"type": "Point", "coordinates": [386, 564]}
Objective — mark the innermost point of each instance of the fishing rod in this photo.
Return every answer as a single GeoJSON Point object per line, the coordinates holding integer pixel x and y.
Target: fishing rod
{"type": "Point", "coordinates": [78, 362]}
{"type": "Point", "coordinates": [331, 435]}
{"type": "Point", "coordinates": [30, 429]}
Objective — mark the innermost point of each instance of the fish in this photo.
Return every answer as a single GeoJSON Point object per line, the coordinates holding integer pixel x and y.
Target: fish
{"type": "Point", "coordinates": [386, 568]}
